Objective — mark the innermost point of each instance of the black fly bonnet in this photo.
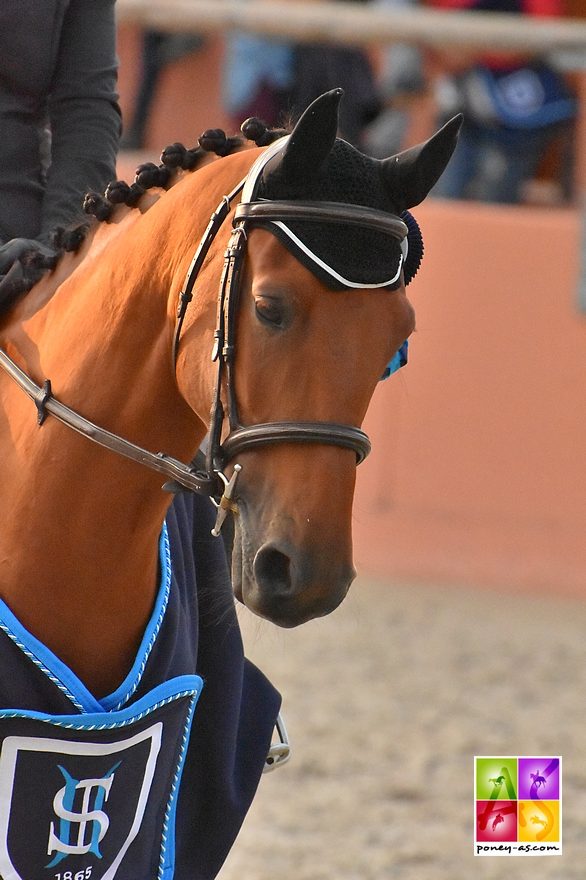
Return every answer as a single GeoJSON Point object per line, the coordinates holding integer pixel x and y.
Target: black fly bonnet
{"type": "Point", "coordinates": [340, 255]}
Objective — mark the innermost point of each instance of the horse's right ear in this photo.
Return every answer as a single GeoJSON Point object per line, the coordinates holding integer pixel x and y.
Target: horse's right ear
{"type": "Point", "coordinates": [410, 175]}
{"type": "Point", "coordinates": [311, 140]}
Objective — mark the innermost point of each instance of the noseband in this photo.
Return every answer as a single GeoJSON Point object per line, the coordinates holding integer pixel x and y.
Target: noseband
{"type": "Point", "coordinates": [240, 438]}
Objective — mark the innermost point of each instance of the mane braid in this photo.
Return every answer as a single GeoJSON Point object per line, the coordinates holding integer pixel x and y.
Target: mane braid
{"type": "Point", "coordinates": [174, 158]}
{"type": "Point", "coordinates": [214, 140]}
{"type": "Point", "coordinates": [254, 129]}
{"type": "Point", "coordinates": [178, 156]}
{"type": "Point", "coordinates": [68, 240]}
{"type": "Point", "coordinates": [36, 261]}
{"type": "Point", "coordinates": [118, 192]}
{"type": "Point", "coordinates": [96, 204]}
{"type": "Point", "coordinates": [72, 239]}
{"type": "Point", "coordinates": [149, 175]}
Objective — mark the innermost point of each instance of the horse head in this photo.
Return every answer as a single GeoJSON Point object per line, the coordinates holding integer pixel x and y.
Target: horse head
{"type": "Point", "coordinates": [311, 311]}
{"type": "Point", "coordinates": [321, 310]}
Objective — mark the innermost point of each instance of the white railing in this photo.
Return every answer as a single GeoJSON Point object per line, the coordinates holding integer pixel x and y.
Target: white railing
{"type": "Point", "coordinates": [360, 23]}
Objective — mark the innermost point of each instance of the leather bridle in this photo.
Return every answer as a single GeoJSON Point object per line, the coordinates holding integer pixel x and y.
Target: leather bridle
{"type": "Point", "coordinates": [212, 480]}
{"type": "Point", "coordinates": [241, 438]}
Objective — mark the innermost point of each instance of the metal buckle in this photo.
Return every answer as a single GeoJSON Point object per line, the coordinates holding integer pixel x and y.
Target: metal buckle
{"type": "Point", "coordinates": [225, 505]}
{"type": "Point", "coordinates": [279, 752]}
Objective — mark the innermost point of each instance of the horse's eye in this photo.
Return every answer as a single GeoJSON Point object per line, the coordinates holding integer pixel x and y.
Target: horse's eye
{"type": "Point", "coordinates": [270, 310]}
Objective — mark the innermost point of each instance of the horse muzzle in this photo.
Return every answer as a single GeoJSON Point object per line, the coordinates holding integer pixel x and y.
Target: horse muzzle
{"type": "Point", "coordinates": [290, 587]}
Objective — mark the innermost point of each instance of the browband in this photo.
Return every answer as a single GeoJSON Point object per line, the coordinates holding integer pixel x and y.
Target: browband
{"type": "Point", "coordinates": [323, 212]}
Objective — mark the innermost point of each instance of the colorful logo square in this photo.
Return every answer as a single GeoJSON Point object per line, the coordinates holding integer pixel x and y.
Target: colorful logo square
{"type": "Point", "coordinates": [496, 820]}
{"type": "Point", "coordinates": [539, 821]}
{"type": "Point", "coordinates": [517, 805]}
{"type": "Point", "coordinates": [539, 778]}
{"type": "Point", "coordinates": [496, 778]}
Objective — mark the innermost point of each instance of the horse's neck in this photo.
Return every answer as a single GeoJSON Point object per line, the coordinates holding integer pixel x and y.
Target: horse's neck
{"type": "Point", "coordinates": [78, 541]}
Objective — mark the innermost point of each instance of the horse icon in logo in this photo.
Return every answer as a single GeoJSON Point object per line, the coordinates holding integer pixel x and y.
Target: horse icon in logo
{"type": "Point", "coordinates": [538, 780]}
{"type": "Point", "coordinates": [498, 781]}
{"type": "Point", "coordinates": [498, 820]}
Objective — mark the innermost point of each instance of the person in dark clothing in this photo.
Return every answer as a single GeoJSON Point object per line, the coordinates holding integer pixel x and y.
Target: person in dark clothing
{"type": "Point", "coordinates": [59, 115]}
{"type": "Point", "coordinates": [319, 67]}
{"type": "Point", "coordinates": [515, 107]}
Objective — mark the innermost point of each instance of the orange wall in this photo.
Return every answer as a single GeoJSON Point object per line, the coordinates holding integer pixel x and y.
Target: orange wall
{"type": "Point", "coordinates": [477, 472]}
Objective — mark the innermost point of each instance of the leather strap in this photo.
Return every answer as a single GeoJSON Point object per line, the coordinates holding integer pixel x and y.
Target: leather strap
{"type": "Point", "coordinates": [175, 471]}
{"type": "Point", "coordinates": [323, 212]}
{"type": "Point", "coordinates": [186, 294]}
{"type": "Point", "coordinates": [240, 438]}
{"type": "Point", "coordinates": [329, 433]}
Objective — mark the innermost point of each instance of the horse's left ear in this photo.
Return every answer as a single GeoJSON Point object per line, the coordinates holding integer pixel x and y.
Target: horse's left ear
{"type": "Point", "coordinates": [310, 141]}
{"type": "Point", "coordinates": [410, 175]}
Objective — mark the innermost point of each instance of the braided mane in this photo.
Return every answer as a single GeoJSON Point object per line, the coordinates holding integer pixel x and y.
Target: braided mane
{"type": "Point", "coordinates": [175, 161]}
{"type": "Point", "coordinates": [176, 158]}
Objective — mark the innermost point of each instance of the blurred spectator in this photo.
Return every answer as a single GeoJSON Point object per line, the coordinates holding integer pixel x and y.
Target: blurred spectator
{"type": "Point", "coordinates": [319, 67]}
{"type": "Point", "coordinates": [401, 81]}
{"type": "Point", "coordinates": [158, 50]}
{"type": "Point", "coordinates": [514, 108]}
{"type": "Point", "coordinates": [258, 77]}
{"type": "Point", "coordinates": [277, 80]}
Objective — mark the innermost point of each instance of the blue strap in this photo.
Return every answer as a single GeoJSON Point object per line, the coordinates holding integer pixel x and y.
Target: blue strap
{"type": "Point", "coordinates": [398, 360]}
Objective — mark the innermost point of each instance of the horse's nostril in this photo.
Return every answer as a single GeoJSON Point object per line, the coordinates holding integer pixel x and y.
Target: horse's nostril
{"type": "Point", "coordinates": [272, 569]}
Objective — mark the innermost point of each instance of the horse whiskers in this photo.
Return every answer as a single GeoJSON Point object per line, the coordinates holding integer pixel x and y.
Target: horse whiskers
{"type": "Point", "coordinates": [219, 612]}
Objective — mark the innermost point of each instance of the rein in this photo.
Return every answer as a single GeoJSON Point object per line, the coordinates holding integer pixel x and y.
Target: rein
{"type": "Point", "coordinates": [212, 481]}
{"type": "Point", "coordinates": [47, 404]}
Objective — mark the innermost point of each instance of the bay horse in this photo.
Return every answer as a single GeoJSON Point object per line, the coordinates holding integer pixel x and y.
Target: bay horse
{"type": "Point", "coordinates": [116, 605]}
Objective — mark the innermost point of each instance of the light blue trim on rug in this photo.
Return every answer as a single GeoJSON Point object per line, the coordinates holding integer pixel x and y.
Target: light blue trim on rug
{"type": "Point", "coordinates": [174, 689]}
{"type": "Point", "coordinates": [64, 678]}
{"type": "Point", "coordinates": [124, 692]}
{"type": "Point", "coordinates": [167, 860]}
{"type": "Point", "coordinates": [54, 668]}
